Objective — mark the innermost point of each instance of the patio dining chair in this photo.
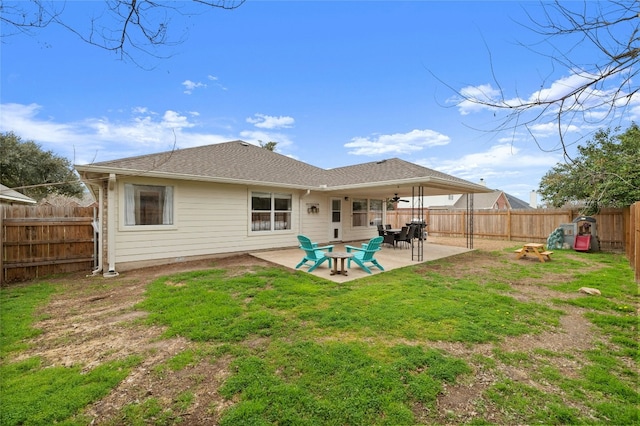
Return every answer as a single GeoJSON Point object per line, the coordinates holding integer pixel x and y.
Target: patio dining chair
{"type": "Point", "coordinates": [313, 253]}
{"type": "Point", "coordinates": [365, 254]}
{"type": "Point", "coordinates": [405, 235]}
{"type": "Point", "coordinates": [389, 238]}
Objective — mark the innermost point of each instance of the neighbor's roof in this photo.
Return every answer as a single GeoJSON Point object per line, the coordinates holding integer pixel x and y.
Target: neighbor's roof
{"type": "Point", "coordinates": [488, 200]}
{"type": "Point", "coordinates": [12, 196]}
{"type": "Point", "coordinates": [517, 203]}
{"type": "Point", "coordinates": [241, 162]}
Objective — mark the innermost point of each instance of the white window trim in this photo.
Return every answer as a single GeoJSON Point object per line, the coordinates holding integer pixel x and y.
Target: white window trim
{"type": "Point", "coordinates": [138, 228]}
{"type": "Point", "coordinates": [272, 213]}
{"type": "Point", "coordinates": [367, 212]}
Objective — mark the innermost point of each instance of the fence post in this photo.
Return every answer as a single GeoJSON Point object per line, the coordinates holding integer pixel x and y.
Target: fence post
{"type": "Point", "coordinates": [2, 234]}
{"type": "Point", "coordinates": [634, 237]}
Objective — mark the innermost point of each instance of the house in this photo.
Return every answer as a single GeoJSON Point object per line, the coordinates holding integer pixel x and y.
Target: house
{"type": "Point", "coordinates": [492, 199]}
{"type": "Point", "coordinates": [236, 197]}
{"type": "Point", "coordinates": [10, 197]}
{"type": "Point", "coordinates": [495, 200]}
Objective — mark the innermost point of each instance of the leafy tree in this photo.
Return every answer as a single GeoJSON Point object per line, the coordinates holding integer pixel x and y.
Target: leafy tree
{"type": "Point", "coordinates": [269, 146]}
{"type": "Point", "coordinates": [26, 167]}
{"type": "Point", "coordinates": [606, 173]}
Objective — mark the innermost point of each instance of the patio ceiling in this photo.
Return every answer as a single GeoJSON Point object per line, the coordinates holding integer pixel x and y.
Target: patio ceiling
{"type": "Point", "coordinates": [430, 186]}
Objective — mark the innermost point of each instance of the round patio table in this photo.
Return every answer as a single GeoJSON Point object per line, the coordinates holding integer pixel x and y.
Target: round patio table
{"type": "Point", "coordinates": [342, 255]}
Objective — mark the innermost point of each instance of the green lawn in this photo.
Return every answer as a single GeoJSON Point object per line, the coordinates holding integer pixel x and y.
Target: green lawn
{"type": "Point", "coordinates": [366, 352]}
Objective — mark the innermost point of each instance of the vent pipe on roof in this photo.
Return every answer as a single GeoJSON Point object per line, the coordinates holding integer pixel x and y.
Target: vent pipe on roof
{"type": "Point", "coordinates": [482, 182]}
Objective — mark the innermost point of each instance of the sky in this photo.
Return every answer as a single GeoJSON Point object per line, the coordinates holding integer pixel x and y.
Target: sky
{"type": "Point", "coordinates": [334, 83]}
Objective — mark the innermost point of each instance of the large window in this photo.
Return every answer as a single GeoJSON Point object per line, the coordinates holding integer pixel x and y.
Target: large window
{"type": "Point", "coordinates": [375, 212]}
{"type": "Point", "coordinates": [270, 211]}
{"type": "Point", "coordinates": [366, 212]}
{"type": "Point", "coordinates": [148, 205]}
{"type": "Point", "coordinates": [359, 210]}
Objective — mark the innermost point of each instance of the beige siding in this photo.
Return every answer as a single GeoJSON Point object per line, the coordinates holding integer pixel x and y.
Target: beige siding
{"type": "Point", "coordinates": [314, 225]}
{"type": "Point", "coordinates": [209, 219]}
{"type": "Point", "coordinates": [214, 219]}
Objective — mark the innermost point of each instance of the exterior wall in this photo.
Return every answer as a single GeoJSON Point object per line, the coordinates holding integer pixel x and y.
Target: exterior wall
{"type": "Point", "coordinates": [213, 219]}
{"type": "Point", "coordinates": [209, 219]}
{"type": "Point", "coordinates": [440, 200]}
{"type": "Point", "coordinates": [311, 224]}
{"type": "Point", "coordinates": [501, 202]}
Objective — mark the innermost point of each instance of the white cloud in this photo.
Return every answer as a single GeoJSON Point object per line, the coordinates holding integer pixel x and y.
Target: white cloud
{"type": "Point", "coordinates": [257, 136]}
{"type": "Point", "coordinates": [190, 86]}
{"type": "Point", "coordinates": [263, 121]}
{"type": "Point", "coordinates": [499, 162]}
{"type": "Point", "coordinates": [217, 83]}
{"type": "Point", "coordinates": [398, 143]}
{"type": "Point", "coordinates": [583, 102]}
{"type": "Point", "coordinates": [101, 139]}
{"type": "Point", "coordinates": [22, 119]}
{"type": "Point", "coordinates": [479, 95]}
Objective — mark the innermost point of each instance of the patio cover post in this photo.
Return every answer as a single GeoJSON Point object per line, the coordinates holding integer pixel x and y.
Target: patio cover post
{"type": "Point", "coordinates": [469, 227]}
{"type": "Point", "coordinates": [417, 250]}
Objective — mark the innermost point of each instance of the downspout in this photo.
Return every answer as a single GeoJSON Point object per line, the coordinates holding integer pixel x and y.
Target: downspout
{"type": "Point", "coordinates": [98, 229]}
{"type": "Point", "coordinates": [111, 227]}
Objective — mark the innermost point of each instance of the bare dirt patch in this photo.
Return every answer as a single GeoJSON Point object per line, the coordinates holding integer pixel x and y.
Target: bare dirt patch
{"type": "Point", "coordinates": [93, 320]}
{"type": "Point", "coordinates": [463, 401]}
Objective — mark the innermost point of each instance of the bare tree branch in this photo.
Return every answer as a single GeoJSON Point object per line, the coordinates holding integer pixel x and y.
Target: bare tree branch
{"type": "Point", "coordinates": [595, 92]}
{"type": "Point", "coordinates": [126, 27]}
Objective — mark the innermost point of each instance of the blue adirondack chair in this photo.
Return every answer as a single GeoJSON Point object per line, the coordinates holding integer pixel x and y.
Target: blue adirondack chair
{"type": "Point", "coordinates": [364, 254]}
{"type": "Point", "coordinates": [313, 253]}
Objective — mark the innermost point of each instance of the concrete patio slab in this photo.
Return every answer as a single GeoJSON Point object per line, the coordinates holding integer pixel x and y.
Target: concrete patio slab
{"type": "Point", "coordinates": [388, 257]}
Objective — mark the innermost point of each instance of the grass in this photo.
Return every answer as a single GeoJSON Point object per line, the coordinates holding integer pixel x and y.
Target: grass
{"type": "Point", "coordinates": [17, 314]}
{"type": "Point", "coordinates": [307, 351]}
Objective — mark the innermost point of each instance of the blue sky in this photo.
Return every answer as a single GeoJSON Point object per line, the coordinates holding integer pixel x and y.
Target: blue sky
{"type": "Point", "coordinates": [334, 83]}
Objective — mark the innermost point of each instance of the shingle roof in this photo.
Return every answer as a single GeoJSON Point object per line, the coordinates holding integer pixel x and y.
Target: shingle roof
{"type": "Point", "coordinates": [239, 161]}
{"type": "Point", "coordinates": [488, 200]}
{"type": "Point", "coordinates": [235, 160]}
{"type": "Point", "coordinates": [517, 203]}
{"type": "Point", "coordinates": [480, 201]}
{"type": "Point", "coordinates": [385, 170]}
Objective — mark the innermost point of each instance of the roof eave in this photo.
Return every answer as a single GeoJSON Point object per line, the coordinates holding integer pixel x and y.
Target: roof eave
{"type": "Point", "coordinates": [183, 176]}
{"type": "Point", "coordinates": [17, 199]}
{"type": "Point", "coordinates": [432, 182]}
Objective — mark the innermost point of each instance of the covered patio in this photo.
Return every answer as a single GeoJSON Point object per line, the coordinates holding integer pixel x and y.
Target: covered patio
{"type": "Point", "coordinates": [388, 257]}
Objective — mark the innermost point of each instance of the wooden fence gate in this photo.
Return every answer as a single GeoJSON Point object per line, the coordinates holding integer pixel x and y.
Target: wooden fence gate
{"type": "Point", "coordinates": [44, 240]}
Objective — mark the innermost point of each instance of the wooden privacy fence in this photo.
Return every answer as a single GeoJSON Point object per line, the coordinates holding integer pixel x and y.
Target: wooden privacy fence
{"type": "Point", "coordinates": [633, 245]}
{"type": "Point", "coordinates": [518, 225]}
{"type": "Point", "coordinates": [43, 240]}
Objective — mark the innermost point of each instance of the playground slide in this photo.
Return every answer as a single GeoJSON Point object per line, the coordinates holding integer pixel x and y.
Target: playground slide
{"type": "Point", "coordinates": [582, 243]}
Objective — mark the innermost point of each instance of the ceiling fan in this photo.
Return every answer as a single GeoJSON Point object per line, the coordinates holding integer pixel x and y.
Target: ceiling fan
{"type": "Point", "coordinates": [396, 199]}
